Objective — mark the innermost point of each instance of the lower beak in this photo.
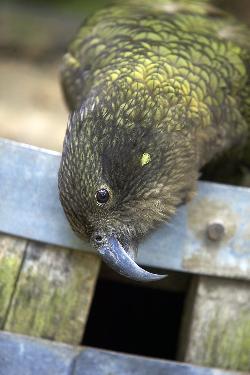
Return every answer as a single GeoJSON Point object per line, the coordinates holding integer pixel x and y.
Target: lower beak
{"type": "Point", "coordinates": [113, 253]}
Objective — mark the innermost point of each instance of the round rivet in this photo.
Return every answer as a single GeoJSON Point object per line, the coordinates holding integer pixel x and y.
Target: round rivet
{"type": "Point", "coordinates": [215, 231]}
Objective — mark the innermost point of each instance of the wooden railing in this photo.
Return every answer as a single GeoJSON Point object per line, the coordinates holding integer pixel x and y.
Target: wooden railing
{"type": "Point", "coordinates": [46, 288]}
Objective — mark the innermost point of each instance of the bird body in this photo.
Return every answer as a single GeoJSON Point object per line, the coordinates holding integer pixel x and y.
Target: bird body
{"type": "Point", "coordinates": [156, 90]}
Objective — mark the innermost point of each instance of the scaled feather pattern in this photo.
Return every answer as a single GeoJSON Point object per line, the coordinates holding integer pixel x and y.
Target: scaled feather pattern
{"type": "Point", "coordinates": [156, 90]}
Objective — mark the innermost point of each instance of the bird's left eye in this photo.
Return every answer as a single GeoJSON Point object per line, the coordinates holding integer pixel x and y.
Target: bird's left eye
{"type": "Point", "coordinates": [102, 196]}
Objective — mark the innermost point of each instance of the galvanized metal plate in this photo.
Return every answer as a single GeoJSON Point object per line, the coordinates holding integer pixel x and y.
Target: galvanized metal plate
{"type": "Point", "coordinates": [30, 208]}
{"type": "Point", "coordinates": [29, 356]}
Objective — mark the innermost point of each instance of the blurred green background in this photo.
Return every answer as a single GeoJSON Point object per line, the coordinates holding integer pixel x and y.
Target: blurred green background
{"type": "Point", "coordinates": [34, 34]}
{"type": "Point", "coordinates": [239, 7]}
{"type": "Point", "coordinates": [63, 5]}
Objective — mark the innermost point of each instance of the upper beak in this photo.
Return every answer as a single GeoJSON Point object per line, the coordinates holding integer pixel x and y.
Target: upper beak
{"type": "Point", "coordinates": [114, 254]}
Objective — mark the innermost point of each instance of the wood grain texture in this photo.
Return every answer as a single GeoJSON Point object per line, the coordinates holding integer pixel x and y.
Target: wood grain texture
{"type": "Point", "coordinates": [12, 251]}
{"type": "Point", "coordinates": [216, 326]}
{"type": "Point", "coordinates": [53, 293]}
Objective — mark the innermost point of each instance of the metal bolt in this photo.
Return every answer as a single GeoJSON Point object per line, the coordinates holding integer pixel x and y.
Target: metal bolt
{"type": "Point", "coordinates": [215, 231]}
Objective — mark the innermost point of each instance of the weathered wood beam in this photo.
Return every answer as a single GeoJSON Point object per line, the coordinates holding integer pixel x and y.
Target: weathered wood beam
{"type": "Point", "coordinates": [208, 236]}
{"type": "Point", "coordinates": [45, 292]}
{"type": "Point", "coordinates": [23, 355]}
{"type": "Point", "coordinates": [11, 257]}
{"type": "Point", "coordinates": [216, 325]}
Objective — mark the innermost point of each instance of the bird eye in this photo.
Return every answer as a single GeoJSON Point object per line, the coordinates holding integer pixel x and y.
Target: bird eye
{"type": "Point", "coordinates": [102, 196]}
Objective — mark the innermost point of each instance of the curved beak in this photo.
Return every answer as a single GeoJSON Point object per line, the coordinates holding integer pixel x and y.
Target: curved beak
{"type": "Point", "coordinates": [114, 254]}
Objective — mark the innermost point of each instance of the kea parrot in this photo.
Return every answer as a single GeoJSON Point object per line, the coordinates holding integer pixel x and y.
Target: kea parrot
{"type": "Point", "coordinates": [156, 90]}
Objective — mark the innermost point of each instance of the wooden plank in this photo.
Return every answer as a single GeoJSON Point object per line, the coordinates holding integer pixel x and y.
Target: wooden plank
{"type": "Point", "coordinates": [20, 355]}
{"type": "Point", "coordinates": [30, 207]}
{"type": "Point", "coordinates": [28, 356]}
{"type": "Point", "coordinates": [216, 328]}
{"type": "Point", "coordinates": [53, 293]}
{"type": "Point", "coordinates": [12, 251]}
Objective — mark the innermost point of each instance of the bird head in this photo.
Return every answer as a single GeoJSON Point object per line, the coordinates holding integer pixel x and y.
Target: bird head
{"type": "Point", "coordinates": [121, 174]}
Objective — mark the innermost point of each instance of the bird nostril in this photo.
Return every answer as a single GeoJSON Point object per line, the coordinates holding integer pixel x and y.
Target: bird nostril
{"type": "Point", "coordinates": [98, 238]}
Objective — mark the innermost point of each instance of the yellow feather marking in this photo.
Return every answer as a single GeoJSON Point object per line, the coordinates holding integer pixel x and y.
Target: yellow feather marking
{"type": "Point", "coordinates": [71, 60]}
{"type": "Point", "coordinates": [145, 159]}
{"type": "Point", "coordinates": [114, 76]}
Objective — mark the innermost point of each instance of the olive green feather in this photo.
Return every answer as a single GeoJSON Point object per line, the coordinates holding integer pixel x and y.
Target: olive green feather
{"type": "Point", "coordinates": [188, 62]}
{"type": "Point", "coordinates": [156, 90]}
